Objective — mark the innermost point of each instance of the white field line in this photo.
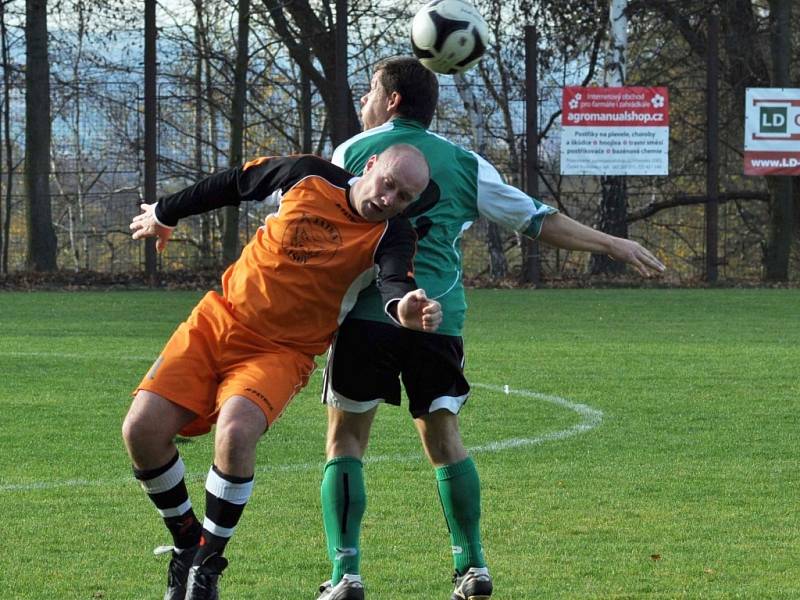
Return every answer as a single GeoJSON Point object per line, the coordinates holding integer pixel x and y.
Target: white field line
{"type": "Point", "coordinates": [76, 356]}
{"type": "Point", "coordinates": [590, 418]}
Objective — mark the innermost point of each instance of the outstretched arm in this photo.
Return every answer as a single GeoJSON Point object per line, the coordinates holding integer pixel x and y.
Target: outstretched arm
{"type": "Point", "coordinates": [563, 232]}
{"type": "Point", "coordinates": [256, 180]}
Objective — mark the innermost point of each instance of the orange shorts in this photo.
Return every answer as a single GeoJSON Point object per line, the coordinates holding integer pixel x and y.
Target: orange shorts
{"type": "Point", "coordinates": [212, 357]}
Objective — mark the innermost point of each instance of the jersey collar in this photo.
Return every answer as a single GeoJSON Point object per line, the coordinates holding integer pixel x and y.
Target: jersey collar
{"type": "Point", "coordinates": [399, 121]}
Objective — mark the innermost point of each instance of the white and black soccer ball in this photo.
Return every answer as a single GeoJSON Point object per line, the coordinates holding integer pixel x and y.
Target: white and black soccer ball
{"type": "Point", "coordinates": [449, 36]}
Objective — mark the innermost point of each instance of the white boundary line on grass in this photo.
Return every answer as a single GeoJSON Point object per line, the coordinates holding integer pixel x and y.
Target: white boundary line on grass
{"type": "Point", "coordinates": [76, 356]}
{"type": "Point", "coordinates": [590, 419]}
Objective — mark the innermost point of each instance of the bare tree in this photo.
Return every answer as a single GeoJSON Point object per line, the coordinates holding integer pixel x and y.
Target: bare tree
{"type": "Point", "coordinates": [612, 217]}
{"type": "Point", "coordinates": [5, 215]}
{"type": "Point", "coordinates": [747, 56]}
{"type": "Point", "coordinates": [200, 56]}
{"type": "Point", "coordinates": [42, 246]}
{"type": "Point", "coordinates": [230, 241]}
{"type": "Point", "coordinates": [310, 39]}
{"type": "Point", "coordinates": [781, 220]}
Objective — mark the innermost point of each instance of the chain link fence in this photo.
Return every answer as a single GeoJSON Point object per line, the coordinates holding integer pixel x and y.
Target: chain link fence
{"type": "Point", "coordinates": [97, 178]}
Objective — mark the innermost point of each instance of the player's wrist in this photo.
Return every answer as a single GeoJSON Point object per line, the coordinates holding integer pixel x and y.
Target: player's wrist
{"type": "Point", "coordinates": [160, 220]}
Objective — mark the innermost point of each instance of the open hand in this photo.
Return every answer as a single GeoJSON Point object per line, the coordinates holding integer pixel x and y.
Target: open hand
{"type": "Point", "coordinates": [636, 255]}
{"type": "Point", "coordinates": [145, 226]}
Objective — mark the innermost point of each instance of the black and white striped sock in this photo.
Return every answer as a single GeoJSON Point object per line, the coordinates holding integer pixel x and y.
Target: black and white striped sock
{"type": "Point", "coordinates": [226, 497]}
{"type": "Point", "coordinates": [166, 487]}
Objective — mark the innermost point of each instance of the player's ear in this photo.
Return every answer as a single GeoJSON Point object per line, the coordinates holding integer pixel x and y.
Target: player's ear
{"type": "Point", "coordinates": [370, 162]}
{"type": "Point", "coordinates": [393, 102]}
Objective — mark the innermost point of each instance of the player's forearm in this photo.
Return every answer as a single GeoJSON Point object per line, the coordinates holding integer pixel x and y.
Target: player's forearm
{"type": "Point", "coordinates": [213, 192]}
{"type": "Point", "coordinates": [561, 231]}
{"type": "Point", "coordinates": [395, 260]}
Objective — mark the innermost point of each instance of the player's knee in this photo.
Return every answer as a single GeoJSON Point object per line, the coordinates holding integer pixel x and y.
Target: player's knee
{"type": "Point", "coordinates": [137, 431]}
{"type": "Point", "coordinates": [238, 435]}
{"type": "Point", "coordinates": [127, 431]}
{"type": "Point", "coordinates": [444, 449]}
{"type": "Point", "coordinates": [343, 440]}
{"type": "Point", "coordinates": [345, 446]}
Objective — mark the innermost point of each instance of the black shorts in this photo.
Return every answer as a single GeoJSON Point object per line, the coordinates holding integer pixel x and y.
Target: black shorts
{"type": "Point", "coordinates": [367, 360]}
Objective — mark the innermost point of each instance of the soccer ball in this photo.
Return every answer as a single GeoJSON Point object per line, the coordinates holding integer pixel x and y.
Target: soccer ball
{"type": "Point", "coordinates": [449, 36]}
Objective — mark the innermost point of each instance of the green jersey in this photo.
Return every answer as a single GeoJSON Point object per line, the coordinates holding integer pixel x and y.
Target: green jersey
{"type": "Point", "coordinates": [469, 187]}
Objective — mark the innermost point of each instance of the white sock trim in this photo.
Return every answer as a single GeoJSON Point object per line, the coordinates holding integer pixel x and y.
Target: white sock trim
{"type": "Point", "coordinates": [211, 527]}
{"type": "Point", "coordinates": [235, 493]}
{"type": "Point", "coordinates": [177, 511]}
{"type": "Point", "coordinates": [166, 481]}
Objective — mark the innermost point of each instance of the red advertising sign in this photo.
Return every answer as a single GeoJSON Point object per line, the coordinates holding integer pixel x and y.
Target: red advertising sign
{"type": "Point", "coordinates": [615, 131]}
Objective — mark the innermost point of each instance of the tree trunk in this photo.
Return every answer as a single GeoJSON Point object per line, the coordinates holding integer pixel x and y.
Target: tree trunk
{"type": "Point", "coordinates": [230, 240]}
{"type": "Point", "coordinates": [9, 158]}
{"type": "Point", "coordinates": [216, 218]}
{"type": "Point", "coordinates": [613, 213]}
{"type": "Point", "coordinates": [778, 246]}
{"type": "Point", "coordinates": [796, 194]}
{"type": "Point", "coordinates": [81, 190]}
{"type": "Point", "coordinates": [42, 245]}
{"type": "Point", "coordinates": [612, 219]}
{"type": "Point", "coordinates": [306, 118]}
{"type": "Point", "coordinates": [3, 109]}
{"type": "Point", "coordinates": [200, 45]}
{"type": "Point", "coordinates": [313, 44]}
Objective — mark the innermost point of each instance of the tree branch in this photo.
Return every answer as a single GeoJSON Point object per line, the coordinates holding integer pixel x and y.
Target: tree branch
{"type": "Point", "coordinates": [687, 200]}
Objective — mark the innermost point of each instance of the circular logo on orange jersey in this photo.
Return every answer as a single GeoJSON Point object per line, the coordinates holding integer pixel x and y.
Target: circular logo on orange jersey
{"type": "Point", "coordinates": [311, 240]}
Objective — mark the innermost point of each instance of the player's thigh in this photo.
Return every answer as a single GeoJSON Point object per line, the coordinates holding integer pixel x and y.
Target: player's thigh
{"type": "Point", "coordinates": [269, 379]}
{"type": "Point", "coordinates": [433, 373]}
{"type": "Point", "coordinates": [186, 371]}
{"type": "Point", "coordinates": [363, 366]}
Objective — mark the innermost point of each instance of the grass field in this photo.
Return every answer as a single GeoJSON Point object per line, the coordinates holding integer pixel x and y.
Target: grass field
{"type": "Point", "coordinates": [648, 447]}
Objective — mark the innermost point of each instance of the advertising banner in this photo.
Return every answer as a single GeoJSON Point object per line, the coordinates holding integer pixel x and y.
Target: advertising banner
{"type": "Point", "coordinates": [615, 131]}
{"type": "Point", "coordinates": [772, 131]}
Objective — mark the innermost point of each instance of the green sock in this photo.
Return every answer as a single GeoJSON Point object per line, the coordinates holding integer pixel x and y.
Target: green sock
{"type": "Point", "coordinates": [344, 499]}
{"type": "Point", "coordinates": [460, 493]}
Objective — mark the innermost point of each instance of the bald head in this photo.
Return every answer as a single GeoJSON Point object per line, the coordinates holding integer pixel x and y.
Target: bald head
{"type": "Point", "coordinates": [392, 180]}
{"type": "Point", "coordinates": [410, 162]}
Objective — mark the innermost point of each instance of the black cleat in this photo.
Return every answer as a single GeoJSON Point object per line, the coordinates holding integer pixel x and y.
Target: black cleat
{"type": "Point", "coordinates": [349, 588]}
{"type": "Point", "coordinates": [178, 571]}
{"type": "Point", "coordinates": [202, 581]}
{"type": "Point", "coordinates": [475, 584]}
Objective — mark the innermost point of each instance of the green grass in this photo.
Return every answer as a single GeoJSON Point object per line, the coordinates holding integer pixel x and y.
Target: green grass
{"type": "Point", "coordinates": [688, 487]}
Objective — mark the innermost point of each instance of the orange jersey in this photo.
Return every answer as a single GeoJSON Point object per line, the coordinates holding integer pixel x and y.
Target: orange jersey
{"type": "Point", "coordinates": [302, 271]}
